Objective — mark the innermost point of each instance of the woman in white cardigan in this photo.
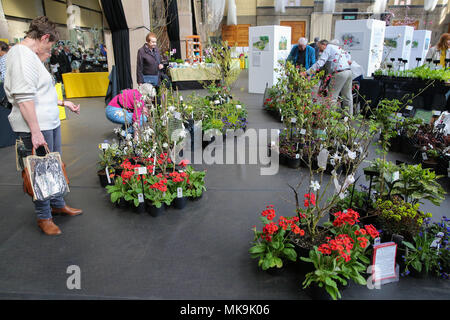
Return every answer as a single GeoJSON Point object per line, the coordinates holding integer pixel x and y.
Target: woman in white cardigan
{"type": "Point", "coordinates": [35, 114]}
{"type": "Point", "coordinates": [441, 51]}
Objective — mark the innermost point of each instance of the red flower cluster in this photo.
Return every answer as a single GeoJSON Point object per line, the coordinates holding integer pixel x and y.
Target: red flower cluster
{"type": "Point", "coordinates": [128, 170]}
{"type": "Point", "coordinates": [341, 245]}
{"type": "Point", "coordinates": [269, 213]}
{"type": "Point", "coordinates": [363, 242]}
{"type": "Point", "coordinates": [178, 176]}
{"type": "Point", "coordinates": [161, 184]}
{"type": "Point", "coordinates": [292, 223]}
{"type": "Point", "coordinates": [164, 157]}
{"type": "Point", "coordinates": [372, 231]}
{"type": "Point", "coordinates": [341, 218]}
{"type": "Point", "coordinates": [268, 230]}
{"type": "Point", "coordinates": [310, 198]}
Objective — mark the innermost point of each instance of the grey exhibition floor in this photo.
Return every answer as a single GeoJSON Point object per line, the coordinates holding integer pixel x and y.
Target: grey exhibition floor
{"type": "Point", "coordinates": [200, 252]}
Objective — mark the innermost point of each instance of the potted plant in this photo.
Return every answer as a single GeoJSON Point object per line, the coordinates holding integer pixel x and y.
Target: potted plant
{"type": "Point", "coordinates": [399, 217]}
{"type": "Point", "coordinates": [108, 161]}
{"type": "Point", "coordinates": [177, 186]}
{"type": "Point", "coordinates": [118, 191]}
{"type": "Point", "coordinates": [422, 256]}
{"type": "Point", "coordinates": [341, 257]}
{"type": "Point", "coordinates": [195, 183]}
{"type": "Point", "coordinates": [156, 194]}
{"type": "Point", "coordinates": [271, 245]}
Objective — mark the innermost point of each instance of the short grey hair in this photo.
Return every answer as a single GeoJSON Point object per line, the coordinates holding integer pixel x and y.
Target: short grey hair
{"type": "Point", "coordinates": [303, 41]}
{"type": "Point", "coordinates": [336, 42]}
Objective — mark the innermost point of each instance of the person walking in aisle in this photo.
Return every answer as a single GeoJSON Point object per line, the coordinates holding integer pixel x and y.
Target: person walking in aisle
{"type": "Point", "coordinates": [341, 73]}
{"type": "Point", "coordinates": [35, 114]}
{"type": "Point", "coordinates": [301, 54]}
{"type": "Point", "coordinates": [149, 62]}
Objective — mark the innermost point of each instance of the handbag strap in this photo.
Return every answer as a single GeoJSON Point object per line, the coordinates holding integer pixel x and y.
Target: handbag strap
{"type": "Point", "coordinates": [33, 152]}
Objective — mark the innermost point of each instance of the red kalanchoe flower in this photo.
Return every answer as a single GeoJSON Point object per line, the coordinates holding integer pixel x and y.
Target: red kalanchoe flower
{"type": "Point", "coordinates": [362, 242]}
{"type": "Point", "coordinates": [372, 231]}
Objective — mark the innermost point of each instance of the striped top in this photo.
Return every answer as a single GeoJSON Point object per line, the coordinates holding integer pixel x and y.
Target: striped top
{"type": "Point", "coordinates": [27, 79]}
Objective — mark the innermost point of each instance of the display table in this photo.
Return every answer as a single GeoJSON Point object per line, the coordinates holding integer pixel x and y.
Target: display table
{"type": "Point", "coordinates": [189, 76]}
{"type": "Point", "coordinates": [85, 84]}
{"type": "Point", "coordinates": [433, 98]}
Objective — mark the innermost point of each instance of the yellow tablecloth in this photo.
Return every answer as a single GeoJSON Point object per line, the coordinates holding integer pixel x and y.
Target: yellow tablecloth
{"type": "Point", "coordinates": [62, 110]}
{"type": "Point", "coordinates": [197, 73]}
{"type": "Point", "coordinates": [85, 84]}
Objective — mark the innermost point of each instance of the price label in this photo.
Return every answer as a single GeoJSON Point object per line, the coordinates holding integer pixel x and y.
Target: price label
{"type": "Point", "coordinates": [177, 115]}
{"type": "Point", "coordinates": [141, 198]}
{"type": "Point", "coordinates": [238, 106]}
{"type": "Point", "coordinates": [436, 113]}
{"type": "Point", "coordinates": [424, 156]}
{"type": "Point", "coordinates": [303, 131]}
{"type": "Point", "coordinates": [181, 98]}
{"type": "Point", "coordinates": [297, 156]}
{"type": "Point", "coordinates": [103, 146]}
{"type": "Point", "coordinates": [179, 192]}
{"type": "Point", "coordinates": [409, 108]}
{"type": "Point", "coordinates": [376, 241]}
{"type": "Point", "coordinates": [293, 120]}
{"type": "Point", "coordinates": [140, 170]}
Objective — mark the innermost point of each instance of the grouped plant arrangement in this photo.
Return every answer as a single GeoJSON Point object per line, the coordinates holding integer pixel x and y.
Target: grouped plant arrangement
{"type": "Point", "coordinates": [423, 72]}
{"type": "Point", "coordinates": [329, 141]}
{"type": "Point", "coordinates": [145, 171]}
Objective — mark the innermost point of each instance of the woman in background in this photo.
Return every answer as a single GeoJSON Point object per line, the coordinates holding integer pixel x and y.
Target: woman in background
{"type": "Point", "coordinates": [127, 107]}
{"type": "Point", "coordinates": [441, 51]}
{"type": "Point", "coordinates": [149, 62]}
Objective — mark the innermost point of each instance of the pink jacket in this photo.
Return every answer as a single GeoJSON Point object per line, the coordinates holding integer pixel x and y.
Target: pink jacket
{"type": "Point", "coordinates": [129, 96]}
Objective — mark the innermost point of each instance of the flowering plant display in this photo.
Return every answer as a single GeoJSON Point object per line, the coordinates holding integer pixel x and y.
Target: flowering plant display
{"type": "Point", "coordinates": [271, 245]}
{"type": "Point", "coordinates": [342, 256]}
{"type": "Point", "coordinates": [429, 250]}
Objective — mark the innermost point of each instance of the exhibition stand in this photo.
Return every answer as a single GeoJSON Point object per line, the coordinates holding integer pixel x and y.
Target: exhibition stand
{"type": "Point", "coordinates": [267, 45]}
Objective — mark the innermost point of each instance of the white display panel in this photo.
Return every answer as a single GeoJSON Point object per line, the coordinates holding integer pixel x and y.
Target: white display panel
{"type": "Point", "coordinates": [267, 44]}
{"type": "Point", "coordinates": [363, 39]}
{"type": "Point", "coordinates": [397, 44]}
{"type": "Point", "coordinates": [419, 47]}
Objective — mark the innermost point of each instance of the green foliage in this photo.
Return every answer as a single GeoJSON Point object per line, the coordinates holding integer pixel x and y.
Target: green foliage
{"type": "Point", "coordinates": [196, 184]}
{"type": "Point", "coordinates": [414, 184]}
{"type": "Point", "coordinates": [357, 202]}
{"type": "Point", "coordinates": [399, 217]}
{"type": "Point", "coordinates": [420, 255]}
{"type": "Point", "coordinates": [118, 190]}
{"type": "Point", "coordinates": [423, 72]}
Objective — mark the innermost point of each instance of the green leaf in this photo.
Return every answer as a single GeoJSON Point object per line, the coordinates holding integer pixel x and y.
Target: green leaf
{"type": "Point", "coordinates": [330, 282]}
{"type": "Point", "coordinates": [417, 265]}
{"type": "Point", "coordinates": [258, 249]}
{"type": "Point", "coordinates": [290, 254]}
{"type": "Point", "coordinates": [409, 245]}
{"type": "Point", "coordinates": [333, 292]}
{"type": "Point", "coordinates": [278, 262]}
{"type": "Point", "coordinates": [364, 259]}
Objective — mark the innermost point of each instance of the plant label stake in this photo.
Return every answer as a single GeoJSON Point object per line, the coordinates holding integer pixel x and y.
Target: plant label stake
{"type": "Point", "coordinates": [395, 176]}
{"type": "Point", "coordinates": [238, 106]}
{"type": "Point", "coordinates": [424, 156]}
{"type": "Point", "coordinates": [179, 192]}
{"type": "Point", "coordinates": [302, 131]}
{"type": "Point", "coordinates": [141, 198]}
{"type": "Point", "coordinates": [140, 170]}
{"type": "Point", "coordinates": [297, 156]}
{"type": "Point", "coordinates": [293, 120]}
{"type": "Point", "coordinates": [107, 174]}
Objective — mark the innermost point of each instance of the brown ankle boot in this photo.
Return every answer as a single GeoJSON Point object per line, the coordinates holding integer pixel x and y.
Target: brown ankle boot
{"type": "Point", "coordinates": [48, 227]}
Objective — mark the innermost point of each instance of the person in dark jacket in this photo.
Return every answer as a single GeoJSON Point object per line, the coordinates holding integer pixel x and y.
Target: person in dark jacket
{"type": "Point", "coordinates": [302, 54]}
{"type": "Point", "coordinates": [149, 62]}
{"type": "Point", "coordinates": [315, 45]}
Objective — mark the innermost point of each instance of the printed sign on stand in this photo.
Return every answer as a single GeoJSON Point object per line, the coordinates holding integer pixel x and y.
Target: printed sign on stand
{"type": "Point", "coordinates": [384, 261]}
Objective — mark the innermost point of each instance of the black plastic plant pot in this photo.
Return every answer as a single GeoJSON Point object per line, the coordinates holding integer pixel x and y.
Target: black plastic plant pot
{"type": "Point", "coordinates": [140, 208]}
{"type": "Point", "coordinates": [317, 293]}
{"type": "Point", "coordinates": [154, 211]}
{"type": "Point", "coordinates": [292, 162]}
{"type": "Point", "coordinates": [103, 179]}
{"type": "Point", "coordinates": [122, 203]}
{"type": "Point", "coordinates": [179, 203]}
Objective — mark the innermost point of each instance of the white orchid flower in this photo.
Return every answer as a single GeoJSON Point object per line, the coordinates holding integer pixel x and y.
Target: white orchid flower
{"type": "Point", "coordinates": [314, 185]}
